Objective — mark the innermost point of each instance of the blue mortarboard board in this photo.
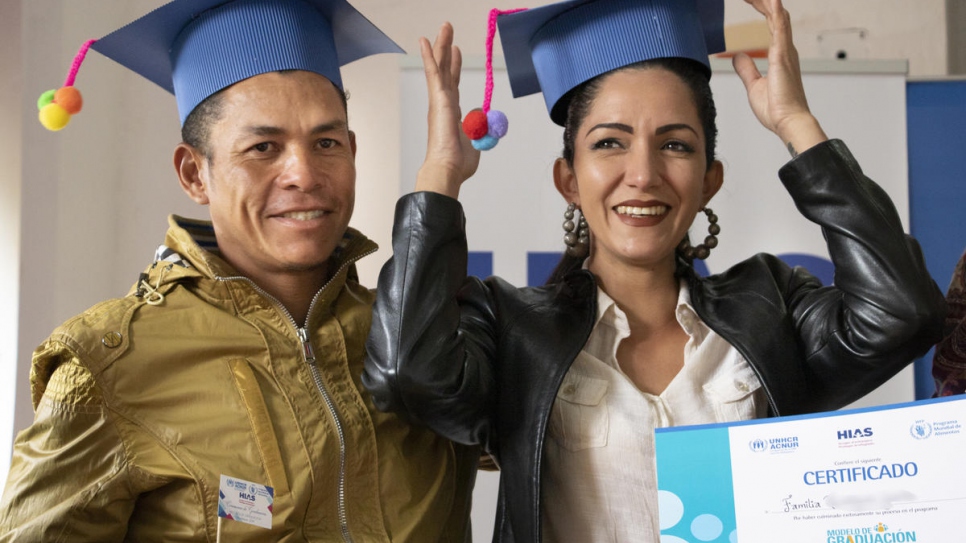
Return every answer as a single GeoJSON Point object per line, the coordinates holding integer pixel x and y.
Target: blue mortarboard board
{"type": "Point", "coordinates": [194, 48]}
{"type": "Point", "coordinates": [554, 48]}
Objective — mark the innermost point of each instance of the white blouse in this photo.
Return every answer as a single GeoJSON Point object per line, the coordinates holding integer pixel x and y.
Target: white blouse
{"type": "Point", "coordinates": [599, 478]}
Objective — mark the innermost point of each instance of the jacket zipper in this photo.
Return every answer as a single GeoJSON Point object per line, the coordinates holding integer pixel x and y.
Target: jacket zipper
{"type": "Point", "coordinates": [308, 354]}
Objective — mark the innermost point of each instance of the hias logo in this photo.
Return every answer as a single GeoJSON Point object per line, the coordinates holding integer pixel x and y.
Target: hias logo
{"type": "Point", "coordinates": [855, 434]}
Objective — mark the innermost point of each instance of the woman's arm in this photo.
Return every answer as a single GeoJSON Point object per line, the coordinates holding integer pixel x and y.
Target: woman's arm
{"type": "Point", "coordinates": [884, 309]}
{"type": "Point", "coordinates": [430, 352]}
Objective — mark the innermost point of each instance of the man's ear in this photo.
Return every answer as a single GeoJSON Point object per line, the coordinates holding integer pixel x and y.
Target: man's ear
{"type": "Point", "coordinates": [191, 166]}
{"type": "Point", "coordinates": [713, 179]}
{"type": "Point", "coordinates": [352, 142]}
{"type": "Point", "coordinates": [565, 181]}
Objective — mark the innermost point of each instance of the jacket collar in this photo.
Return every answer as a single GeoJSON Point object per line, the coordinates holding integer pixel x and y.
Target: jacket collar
{"type": "Point", "coordinates": [190, 250]}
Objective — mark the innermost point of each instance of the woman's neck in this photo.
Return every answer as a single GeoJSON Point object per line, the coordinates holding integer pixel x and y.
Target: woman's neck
{"type": "Point", "coordinates": [647, 295]}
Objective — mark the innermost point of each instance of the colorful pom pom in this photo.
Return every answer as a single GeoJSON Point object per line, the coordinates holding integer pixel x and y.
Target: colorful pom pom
{"type": "Point", "coordinates": [474, 124]}
{"type": "Point", "coordinates": [485, 143]}
{"type": "Point", "coordinates": [54, 117]}
{"type": "Point", "coordinates": [497, 123]}
{"type": "Point", "coordinates": [56, 106]}
{"type": "Point", "coordinates": [486, 133]}
{"type": "Point", "coordinates": [45, 99]}
{"type": "Point", "coordinates": [70, 99]}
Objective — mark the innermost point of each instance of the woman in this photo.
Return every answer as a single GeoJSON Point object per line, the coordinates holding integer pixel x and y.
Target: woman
{"type": "Point", "coordinates": [564, 384]}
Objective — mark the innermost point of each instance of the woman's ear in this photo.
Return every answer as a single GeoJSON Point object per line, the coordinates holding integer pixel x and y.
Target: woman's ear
{"type": "Point", "coordinates": [713, 179]}
{"type": "Point", "coordinates": [189, 163]}
{"type": "Point", "coordinates": [565, 181]}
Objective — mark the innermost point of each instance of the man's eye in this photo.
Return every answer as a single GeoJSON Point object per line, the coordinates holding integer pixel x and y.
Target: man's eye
{"type": "Point", "coordinates": [263, 147]}
{"type": "Point", "coordinates": [327, 143]}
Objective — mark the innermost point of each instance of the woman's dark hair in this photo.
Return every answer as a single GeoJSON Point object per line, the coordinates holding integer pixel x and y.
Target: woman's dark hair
{"type": "Point", "coordinates": [580, 98]}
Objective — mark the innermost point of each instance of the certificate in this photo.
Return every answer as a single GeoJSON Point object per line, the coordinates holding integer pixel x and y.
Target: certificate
{"type": "Point", "coordinates": [890, 474]}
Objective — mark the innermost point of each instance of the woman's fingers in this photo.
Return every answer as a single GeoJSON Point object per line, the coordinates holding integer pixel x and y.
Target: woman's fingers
{"type": "Point", "coordinates": [457, 66]}
{"type": "Point", "coordinates": [442, 50]}
{"type": "Point", "coordinates": [450, 158]}
{"type": "Point", "coordinates": [778, 98]}
{"type": "Point", "coordinates": [746, 70]}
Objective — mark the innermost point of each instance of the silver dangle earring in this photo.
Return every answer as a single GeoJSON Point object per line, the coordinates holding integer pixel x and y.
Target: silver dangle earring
{"type": "Point", "coordinates": [702, 250]}
{"type": "Point", "coordinates": [578, 243]}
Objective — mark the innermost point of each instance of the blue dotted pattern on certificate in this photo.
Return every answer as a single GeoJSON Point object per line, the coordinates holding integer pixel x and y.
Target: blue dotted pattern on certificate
{"type": "Point", "coordinates": [695, 496]}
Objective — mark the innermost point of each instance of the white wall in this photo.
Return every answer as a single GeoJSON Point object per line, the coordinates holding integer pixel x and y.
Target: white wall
{"type": "Point", "coordinates": [90, 202]}
{"type": "Point", "coordinates": [10, 180]}
{"type": "Point", "coordinates": [909, 29]}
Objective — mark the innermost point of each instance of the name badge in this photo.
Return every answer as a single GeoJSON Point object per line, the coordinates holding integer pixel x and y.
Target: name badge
{"type": "Point", "coordinates": [245, 501]}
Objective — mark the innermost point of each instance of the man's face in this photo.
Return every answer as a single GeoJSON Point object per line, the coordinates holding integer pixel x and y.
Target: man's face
{"type": "Point", "coordinates": [280, 176]}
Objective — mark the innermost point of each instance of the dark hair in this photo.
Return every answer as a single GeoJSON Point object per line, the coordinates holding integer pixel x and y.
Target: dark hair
{"type": "Point", "coordinates": [579, 100]}
{"type": "Point", "coordinates": [197, 126]}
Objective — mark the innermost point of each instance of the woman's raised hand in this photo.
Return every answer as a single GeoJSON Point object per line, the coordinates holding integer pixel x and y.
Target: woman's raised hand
{"type": "Point", "coordinates": [450, 157]}
{"type": "Point", "coordinates": [778, 98]}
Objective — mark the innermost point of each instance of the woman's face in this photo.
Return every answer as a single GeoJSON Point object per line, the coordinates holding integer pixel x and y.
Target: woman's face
{"type": "Point", "coordinates": [639, 171]}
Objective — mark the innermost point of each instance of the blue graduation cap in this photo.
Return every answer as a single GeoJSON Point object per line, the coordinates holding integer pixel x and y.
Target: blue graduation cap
{"type": "Point", "coordinates": [194, 48]}
{"type": "Point", "coordinates": [554, 48]}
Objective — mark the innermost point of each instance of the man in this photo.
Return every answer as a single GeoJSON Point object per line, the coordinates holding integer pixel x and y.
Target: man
{"type": "Point", "coordinates": [235, 361]}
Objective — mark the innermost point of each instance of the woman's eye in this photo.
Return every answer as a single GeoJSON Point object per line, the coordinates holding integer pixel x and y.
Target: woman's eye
{"type": "Point", "coordinates": [679, 146]}
{"type": "Point", "coordinates": [608, 143]}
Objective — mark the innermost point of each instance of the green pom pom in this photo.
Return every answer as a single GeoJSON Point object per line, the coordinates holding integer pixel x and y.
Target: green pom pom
{"type": "Point", "coordinates": [45, 98]}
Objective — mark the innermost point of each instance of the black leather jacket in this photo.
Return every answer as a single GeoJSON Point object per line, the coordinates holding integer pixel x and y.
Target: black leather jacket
{"type": "Point", "coordinates": [481, 361]}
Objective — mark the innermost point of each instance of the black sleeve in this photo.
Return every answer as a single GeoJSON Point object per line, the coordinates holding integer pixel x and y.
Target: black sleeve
{"type": "Point", "coordinates": [884, 309]}
{"type": "Point", "coordinates": [431, 348]}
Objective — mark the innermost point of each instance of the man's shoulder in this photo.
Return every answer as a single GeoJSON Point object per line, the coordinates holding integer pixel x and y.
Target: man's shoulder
{"type": "Point", "coordinates": [82, 345]}
{"type": "Point", "coordinates": [102, 326]}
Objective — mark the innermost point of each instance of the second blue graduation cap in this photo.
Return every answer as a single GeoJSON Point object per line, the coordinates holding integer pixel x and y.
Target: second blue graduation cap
{"type": "Point", "coordinates": [554, 48]}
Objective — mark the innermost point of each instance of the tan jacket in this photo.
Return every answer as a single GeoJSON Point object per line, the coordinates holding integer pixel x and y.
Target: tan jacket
{"type": "Point", "coordinates": [143, 402]}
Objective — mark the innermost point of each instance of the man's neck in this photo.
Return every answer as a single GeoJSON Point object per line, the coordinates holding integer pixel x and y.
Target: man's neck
{"type": "Point", "coordinates": [293, 289]}
{"type": "Point", "coordinates": [295, 293]}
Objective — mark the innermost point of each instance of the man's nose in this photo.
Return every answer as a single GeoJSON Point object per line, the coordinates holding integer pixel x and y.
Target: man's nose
{"type": "Point", "coordinates": [298, 170]}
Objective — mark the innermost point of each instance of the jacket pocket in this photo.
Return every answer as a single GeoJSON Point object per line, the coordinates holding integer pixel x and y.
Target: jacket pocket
{"type": "Point", "coordinates": [734, 395]}
{"type": "Point", "coordinates": [579, 419]}
{"type": "Point", "coordinates": [261, 422]}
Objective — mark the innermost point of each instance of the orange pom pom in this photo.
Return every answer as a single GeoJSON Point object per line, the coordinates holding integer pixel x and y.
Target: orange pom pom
{"type": "Point", "coordinates": [54, 117]}
{"type": "Point", "coordinates": [69, 98]}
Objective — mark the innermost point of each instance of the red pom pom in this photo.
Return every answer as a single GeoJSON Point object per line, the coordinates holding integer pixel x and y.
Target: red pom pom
{"type": "Point", "coordinates": [69, 98]}
{"type": "Point", "coordinates": [474, 124]}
